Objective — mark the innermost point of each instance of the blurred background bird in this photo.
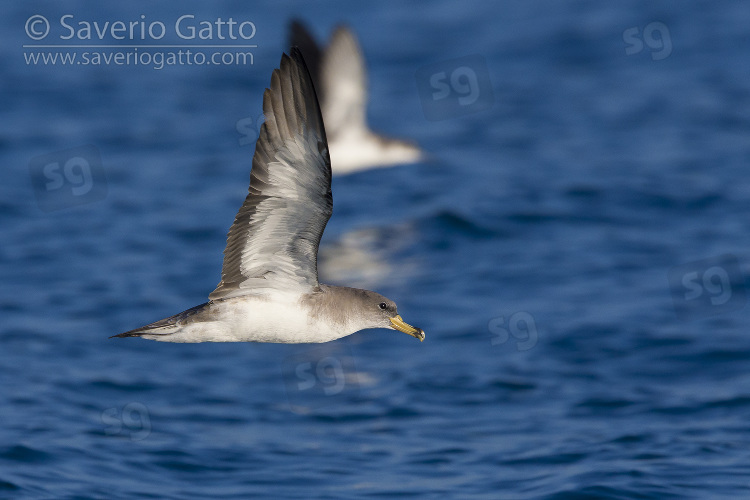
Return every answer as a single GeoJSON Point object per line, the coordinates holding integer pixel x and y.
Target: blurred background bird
{"type": "Point", "coordinates": [340, 77]}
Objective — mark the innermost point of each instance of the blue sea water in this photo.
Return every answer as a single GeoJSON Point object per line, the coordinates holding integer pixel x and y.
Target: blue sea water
{"type": "Point", "coordinates": [575, 247]}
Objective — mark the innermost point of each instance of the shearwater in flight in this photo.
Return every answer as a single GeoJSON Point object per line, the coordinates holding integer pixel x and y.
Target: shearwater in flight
{"type": "Point", "coordinates": [269, 290]}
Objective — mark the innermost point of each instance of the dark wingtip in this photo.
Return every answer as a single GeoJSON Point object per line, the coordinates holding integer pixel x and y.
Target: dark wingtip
{"type": "Point", "coordinates": [293, 58]}
{"type": "Point", "coordinates": [290, 65]}
{"type": "Point", "coordinates": [296, 54]}
{"type": "Point", "coordinates": [126, 335]}
{"type": "Point", "coordinates": [296, 24]}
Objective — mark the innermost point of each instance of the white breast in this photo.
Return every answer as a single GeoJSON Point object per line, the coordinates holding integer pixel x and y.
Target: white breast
{"type": "Point", "coordinates": [278, 319]}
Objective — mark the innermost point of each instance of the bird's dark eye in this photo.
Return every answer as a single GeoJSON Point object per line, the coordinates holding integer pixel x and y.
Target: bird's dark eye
{"type": "Point", "coordinates": [383, 306]}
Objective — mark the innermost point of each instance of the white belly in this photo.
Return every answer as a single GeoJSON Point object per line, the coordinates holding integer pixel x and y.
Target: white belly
{"type": "Point", "coordinates": [252, 319]}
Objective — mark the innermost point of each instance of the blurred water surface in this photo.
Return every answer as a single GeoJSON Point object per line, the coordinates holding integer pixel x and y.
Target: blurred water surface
{"type": "Point", "coordinates": [534, 247]}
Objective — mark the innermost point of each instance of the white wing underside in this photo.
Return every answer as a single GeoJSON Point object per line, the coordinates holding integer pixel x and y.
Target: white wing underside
{"type": "Point", "coordinates": [273, 243]}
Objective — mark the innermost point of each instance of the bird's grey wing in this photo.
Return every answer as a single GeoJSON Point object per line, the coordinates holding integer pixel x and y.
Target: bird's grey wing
{"type": "Point", "coordinates": [273, 243]}
{"type": "Point", "coordinates": [300, 37]}
{"type": "Point", "coordinates": [343, 78]}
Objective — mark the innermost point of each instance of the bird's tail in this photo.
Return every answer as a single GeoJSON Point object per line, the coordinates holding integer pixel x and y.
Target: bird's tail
{"type": "Point", "coordinates": [164, 326]}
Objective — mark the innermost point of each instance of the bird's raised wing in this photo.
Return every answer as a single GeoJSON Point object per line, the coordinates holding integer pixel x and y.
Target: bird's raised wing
{"type": "Point", "coordinates": [343, 79]}
{"type": "Point", "coordinates": [273, 243]}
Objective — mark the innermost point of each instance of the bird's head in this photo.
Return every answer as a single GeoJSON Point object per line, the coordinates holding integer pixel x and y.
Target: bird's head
{"type": "Point", "coordinates": [382, 312]}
